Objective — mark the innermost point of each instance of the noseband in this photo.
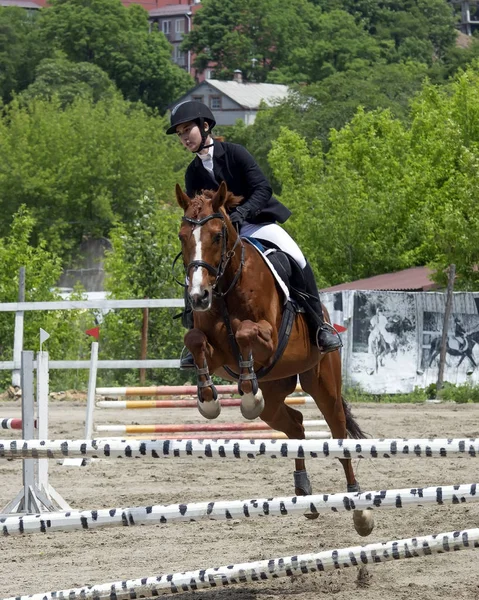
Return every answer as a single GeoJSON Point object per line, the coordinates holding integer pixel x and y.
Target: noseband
{"type": "Point", "coordinates": [226, 256]}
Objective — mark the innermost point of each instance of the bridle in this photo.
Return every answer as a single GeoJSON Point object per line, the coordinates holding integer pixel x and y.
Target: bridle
{"type": "Point", "coordinates": [226, 255]}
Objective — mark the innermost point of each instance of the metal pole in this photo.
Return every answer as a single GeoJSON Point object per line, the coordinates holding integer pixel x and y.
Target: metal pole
{"type": "Point", "coordinates": [18, 334]}
{"type": "Point", "coordinates": [447, 314]}
{"type": "Point", "coordinates": [28, 503]}
{"type": "Point", "coordinates": [42, 413]}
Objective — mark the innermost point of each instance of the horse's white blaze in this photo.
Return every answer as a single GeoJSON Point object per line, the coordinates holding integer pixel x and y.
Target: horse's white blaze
{"type": "Point", "coordinates": [196, 287]}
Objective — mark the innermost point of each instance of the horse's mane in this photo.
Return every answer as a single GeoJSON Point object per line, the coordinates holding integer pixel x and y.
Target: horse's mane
{"type": "Point", "coordinates": [198, 201]}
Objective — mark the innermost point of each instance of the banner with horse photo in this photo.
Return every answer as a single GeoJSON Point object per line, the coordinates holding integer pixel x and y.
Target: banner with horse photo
{"type": "Point", "coordinates": [392, 340]}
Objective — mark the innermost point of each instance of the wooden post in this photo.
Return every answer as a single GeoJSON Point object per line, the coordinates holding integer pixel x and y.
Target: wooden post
{"type": "Point", "coordinates": [144, 343]}
{"type": "Point", "coordinates": [447, 314]}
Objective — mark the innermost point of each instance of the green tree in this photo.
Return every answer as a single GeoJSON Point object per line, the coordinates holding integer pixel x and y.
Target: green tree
{"type": "Point", "coordinates": [337, 44]}
{"type": "Point", "coordinates": [389, 195]}
{"type": "Point", "coordinates": [347, 204]}
{"type": "Point", "coordinates": [118, 40]}
{"type": "Point", "coordinates": [139, 266]}
{"type": "Point", "coordinates": [68, 81]}
{"type": "Point", "coordinates": [255, 36]}
{"type": "Point", "coordinates": [18, 52]}
{"type": "Point", "coordinates": [83, 168]}
{"type": "Point", "coordinates": [314, 110]}
{"type": "Point", "coordinates": [445, 146]}
{"type": "Point", "coordinates": [421, 30]}
{"type": "Point", "coordinates": [43, 269]}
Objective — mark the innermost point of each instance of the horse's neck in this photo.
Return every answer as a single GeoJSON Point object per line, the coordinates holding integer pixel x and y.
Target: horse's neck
{"type": "Point", "coordinates": [256, 282]}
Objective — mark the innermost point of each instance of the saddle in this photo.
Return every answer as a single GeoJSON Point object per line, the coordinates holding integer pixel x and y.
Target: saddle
{"type": "Point", "coordinates": [457, 342]}
{"type": "Point", "coordinates": [290, 273]}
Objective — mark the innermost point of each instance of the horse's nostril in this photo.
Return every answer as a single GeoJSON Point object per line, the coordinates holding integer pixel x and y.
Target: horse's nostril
{"type": "Point", "coordinates": [205, 294]}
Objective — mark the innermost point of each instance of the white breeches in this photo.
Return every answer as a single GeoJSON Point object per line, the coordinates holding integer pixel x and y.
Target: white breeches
{"type": "Point", "coordinates": [272, 232]}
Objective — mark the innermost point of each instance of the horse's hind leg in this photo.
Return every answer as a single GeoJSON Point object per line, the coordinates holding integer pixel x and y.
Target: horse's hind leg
{"type": "Point", "coordinates": [323, 383]}
{"type": "Point", "coordinates": [287, 419]}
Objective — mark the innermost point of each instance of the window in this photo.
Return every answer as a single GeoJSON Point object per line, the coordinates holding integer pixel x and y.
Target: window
{"type": "Point", "coordinates": [209, 74]}
{"type": "Point", "coordinates": [180, 26]}
{"type": "Point", "coordinates": [198, 98]}
{"type": "Point", "coordinates": [166, 27]}
{"type": "Point", "coordinates": [215, 102]}
{"type": "Point", "coordinates": [179, 57]}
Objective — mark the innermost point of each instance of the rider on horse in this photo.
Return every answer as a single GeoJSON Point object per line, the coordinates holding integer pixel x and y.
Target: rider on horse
{"type": "Point", "coordinates": [258, 213]}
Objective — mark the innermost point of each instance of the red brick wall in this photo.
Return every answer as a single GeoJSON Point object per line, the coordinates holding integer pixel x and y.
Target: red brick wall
{"type": "Point", "coordinates": [147, 4]}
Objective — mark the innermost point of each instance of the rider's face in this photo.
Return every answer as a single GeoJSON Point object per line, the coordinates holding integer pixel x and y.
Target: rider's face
{"type": "Point", "coordinates": [190, 136]}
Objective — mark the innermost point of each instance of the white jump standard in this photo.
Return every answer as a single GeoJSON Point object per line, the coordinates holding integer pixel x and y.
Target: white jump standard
{"type": "Point", "coordinates": [239, 509]}
{"type": "Point", "coordinates": [217, 577]}
{"type": "Point", "coordinates": [246, 449]}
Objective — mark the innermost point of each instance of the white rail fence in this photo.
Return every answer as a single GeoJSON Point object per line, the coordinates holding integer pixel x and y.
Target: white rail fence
{"type": "Point", "coordinates": [19, 308]}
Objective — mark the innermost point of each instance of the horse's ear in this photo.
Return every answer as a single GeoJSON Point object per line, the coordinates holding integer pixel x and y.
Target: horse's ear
{"type": "Point", "coordinates": [220, 197]}
{"type": "Point", "coordinates": [182, 199]}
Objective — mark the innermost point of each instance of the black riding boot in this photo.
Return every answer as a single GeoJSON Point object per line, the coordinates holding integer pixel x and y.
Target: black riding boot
{"type": "Point", "coordinates": [322, 334]}
{"type": "Point", "coordinates": [186, 359]}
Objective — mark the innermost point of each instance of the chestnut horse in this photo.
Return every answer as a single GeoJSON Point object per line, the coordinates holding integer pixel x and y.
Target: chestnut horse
{"type": "Point", "coordinates": [237, 312]}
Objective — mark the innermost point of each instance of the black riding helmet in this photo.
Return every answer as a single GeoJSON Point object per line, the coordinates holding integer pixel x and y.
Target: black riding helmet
{"type": "Point", "coordinates": [192, 111]}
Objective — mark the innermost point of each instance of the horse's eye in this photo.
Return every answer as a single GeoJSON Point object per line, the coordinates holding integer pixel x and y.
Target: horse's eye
{"type": "Point", "coordinates": [217, 237]}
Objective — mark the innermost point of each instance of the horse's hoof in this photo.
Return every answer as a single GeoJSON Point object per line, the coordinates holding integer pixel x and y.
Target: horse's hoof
{"type": "Point", "coordinates": [209, 409]}
{"type": "Point", "coordinates": [252, 406]}
{"type": "Point", "coordinates": [363, 522]}
{"type": "Point", "coordinates": [302, 487]}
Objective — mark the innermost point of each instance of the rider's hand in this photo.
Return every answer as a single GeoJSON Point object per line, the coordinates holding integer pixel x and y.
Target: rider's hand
{"type": "Point", "coordinates": [238, 217]}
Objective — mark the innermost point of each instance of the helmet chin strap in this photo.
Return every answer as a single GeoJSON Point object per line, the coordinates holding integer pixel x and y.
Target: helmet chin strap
{"type": "Point", "coordinates": [204, 136]}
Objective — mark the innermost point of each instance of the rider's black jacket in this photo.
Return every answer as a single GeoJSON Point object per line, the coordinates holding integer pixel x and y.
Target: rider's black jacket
{"type": "Point", "coordinates": [234, 165]}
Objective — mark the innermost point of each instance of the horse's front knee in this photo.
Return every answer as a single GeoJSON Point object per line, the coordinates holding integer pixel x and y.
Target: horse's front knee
{"type": "Point", "coordinates": [257, 337]}
{"type": "Point", "coordinates": [247, 333]}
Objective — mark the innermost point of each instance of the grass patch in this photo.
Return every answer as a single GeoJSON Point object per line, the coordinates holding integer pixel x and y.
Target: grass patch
{"type": "Point", "coordinates": [461, 394]}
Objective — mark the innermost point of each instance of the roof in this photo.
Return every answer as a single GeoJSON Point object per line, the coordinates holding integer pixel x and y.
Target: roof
{"type": "Point", "coordinates": [414, 279]}
{"type": "Point", "coordinates": [172, 10]}
{"type": "Point", "coordinates": [249, 95]}
{"type": "Point", "coordinates": [20, 4]}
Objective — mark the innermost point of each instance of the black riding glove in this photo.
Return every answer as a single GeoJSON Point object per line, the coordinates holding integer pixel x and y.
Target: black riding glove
{"type": "Point", "coordinates": [238, 217]}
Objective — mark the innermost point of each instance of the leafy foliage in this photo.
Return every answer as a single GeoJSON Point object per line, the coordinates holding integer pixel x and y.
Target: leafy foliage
{"type": "Point", "coordinates": [296, 42]}
{"type": "Point", "coordinates": [69, 81]}
{"type": "Point", "coordinates": [140, 267]}
{"type": "Point", "coordinates": [43, 268]}
{"type": "Point", "coordinates": [18, 51]}
{"type": "Point", "coordinates": [116, 39]}
{"type": "Point", "coordinates": [388, 195]}
{"type": "Point", "coordinates": [82, 168]}
{"type": "Point", "coordinates": [254, 36]}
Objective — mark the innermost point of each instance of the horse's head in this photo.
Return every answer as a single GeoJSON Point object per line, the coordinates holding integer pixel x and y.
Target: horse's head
{"type": "Point", "coordinates": [208, 240]}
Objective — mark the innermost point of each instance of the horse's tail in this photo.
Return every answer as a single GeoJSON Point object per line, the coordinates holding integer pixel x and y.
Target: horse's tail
{"type": "Point", "coordinates": [352, 427]}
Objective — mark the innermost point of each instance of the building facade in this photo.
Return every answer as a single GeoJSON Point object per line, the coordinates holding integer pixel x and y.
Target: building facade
{"type": "Point", "coordinates": [234, 100]}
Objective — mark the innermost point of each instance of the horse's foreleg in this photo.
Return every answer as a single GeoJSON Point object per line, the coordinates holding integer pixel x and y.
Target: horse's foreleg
{"type": "Point", "coordinates": [255, 342]}
{"type": "Point", "coordinates": [205, 359]}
